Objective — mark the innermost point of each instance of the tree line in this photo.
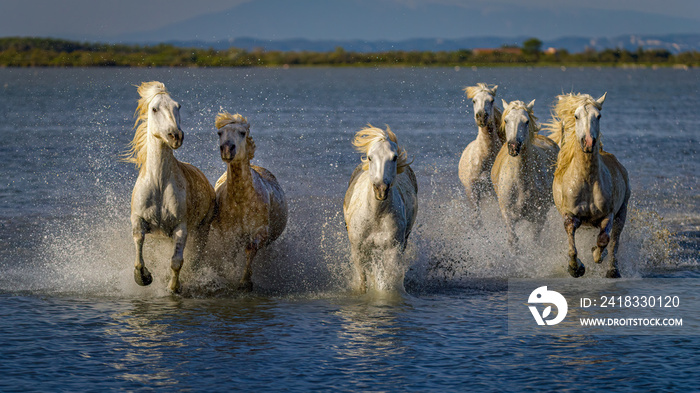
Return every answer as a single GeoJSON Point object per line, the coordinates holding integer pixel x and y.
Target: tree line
{"type": "Point", "coordinates": [46, 52]}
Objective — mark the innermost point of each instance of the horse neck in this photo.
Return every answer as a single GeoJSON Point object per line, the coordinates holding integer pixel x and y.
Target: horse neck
{"type": "Point", "coordinates": [160, 159]}
{"type": "Point", "coordinates": [586, 164]}
{"type": "Point", "coordinates": [239, 179]}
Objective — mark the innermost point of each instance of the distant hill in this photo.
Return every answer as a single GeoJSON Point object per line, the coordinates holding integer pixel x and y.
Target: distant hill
{"type": "Point", "coordinates": [674, 43]}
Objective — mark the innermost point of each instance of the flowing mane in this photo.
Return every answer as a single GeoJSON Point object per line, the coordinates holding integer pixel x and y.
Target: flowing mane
{"type": "Point", "coordinates": [369, 135]}
{"type": "Point", "coordinates": [472, 91]}
{"type": "Point", "coordinates": [224, 118]}
{"type": "Point", "coordinates": [137, 147]}
{"type": "Point", "coordinates": [533, 128]}
{"type": "Point", "coordinates": [562, 127]}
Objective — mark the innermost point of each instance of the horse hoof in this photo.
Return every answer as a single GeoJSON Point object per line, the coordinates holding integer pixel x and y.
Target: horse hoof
{"type": "Point", "coordinates": [175, 287]}
{"type": "Point", "coordinates": [142, 276]}
{"type": "Point", "coordinates": [599, 258]}
{"type": "Point", "coordinates": [613, 273]}
{"type": "Point", "coordinates": [578, 271]}
{"type": "Point", "coordinates": [245, 286]}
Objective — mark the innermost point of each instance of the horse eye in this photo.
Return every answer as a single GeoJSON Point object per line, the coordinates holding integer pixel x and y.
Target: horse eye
{"type": "Point", "coordinates": [576, 117]}
{"type": "Point", "coordinates": [598, 117]}
{"type": "Point", "coordinates": [395, 158]}
{"type": "Point", "coordinates": [179, 106]}
{"type": "Point", "coordinates": [474, 101]}
{"type": "Point", "coordinates": [369, 158]}
{"type": "Point", "coordinates": [242, 133]}
{"type": "Point", "coordinates": [155, 110]}
{"type": "Point", "coordinates": [219, 132]}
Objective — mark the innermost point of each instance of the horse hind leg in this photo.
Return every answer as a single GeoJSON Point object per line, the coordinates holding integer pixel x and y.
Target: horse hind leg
{"type": "Point", "coordinates": [600, 250]}
{"type": "Point", "coordinates": [618, 225]}
{"type": "Point", "coordinates": [141, 275]}
{"type": "Point", "coordinates": [576, 268]}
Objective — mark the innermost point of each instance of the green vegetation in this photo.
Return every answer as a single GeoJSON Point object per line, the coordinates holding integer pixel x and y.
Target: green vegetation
{"type": "Point", "coordinates": [44, 52]}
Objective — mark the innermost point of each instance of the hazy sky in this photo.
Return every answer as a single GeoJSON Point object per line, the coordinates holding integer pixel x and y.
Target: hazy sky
{"type": "Point", "coordinates": [100, 18]}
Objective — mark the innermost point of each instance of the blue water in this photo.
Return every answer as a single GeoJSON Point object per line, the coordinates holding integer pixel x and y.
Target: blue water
{"type": "Point", "coordinates": [71, 317]}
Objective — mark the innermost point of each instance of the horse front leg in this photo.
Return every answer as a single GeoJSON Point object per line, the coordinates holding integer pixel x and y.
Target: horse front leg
{"type": "Point", "coordinates": [180, 238]}
{"type": "Point", "coordinates": [474, 198]}
{"type": "Point", "coordinates": [600, 250]}
{"type": "Point", "coordinates": [360, 272]}
{"type": "Point", "coordinates": [618, 225]}
{"type": "Point", "coordinates": [139, 229]}
{"type": "Point", "coordinates": [510, 221]}
{"type": "Point", "coordinates": [246, 283]}
{"type": "Point", "coordinates": [576, 268]}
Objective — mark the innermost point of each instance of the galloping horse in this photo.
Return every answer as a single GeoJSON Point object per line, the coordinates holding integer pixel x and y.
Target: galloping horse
{"type": "Point", "coordinates": [252, 208]}
{"type": "Point", "coordinates": [478, 157]}
{"type": "Point", "coordinates": [590, 186]}
{"type": "Point", "coordinates": [381, 201]}
{"type": "Point", "coordinates": [170, 198]}
{"type": "Point", "coordinates": [523, 172]}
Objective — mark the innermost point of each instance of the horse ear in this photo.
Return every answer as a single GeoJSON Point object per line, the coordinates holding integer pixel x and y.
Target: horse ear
{"type": "Point", "coordinates": [531, 105]}
{"type": "Point", "coordinates": [493, 91]}
{"type": "Point", "coordinates": [601, 100]}
{"type": "Point", "coordinates": [504, 103]}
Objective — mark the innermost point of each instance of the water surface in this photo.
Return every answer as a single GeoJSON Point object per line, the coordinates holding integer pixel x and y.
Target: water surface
{"type": "Point", "coordinates": [73, 319]}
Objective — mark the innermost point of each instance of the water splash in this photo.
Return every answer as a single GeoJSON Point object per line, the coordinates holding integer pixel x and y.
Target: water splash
{"type": "Point", "coordinates": [92, 252]}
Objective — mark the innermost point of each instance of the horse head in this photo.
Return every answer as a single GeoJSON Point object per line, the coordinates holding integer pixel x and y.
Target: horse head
{"type": "Point", "coordinates": [383, 159]}
{"type": "Point", "coordinates": [382, 156]}
{"type": "Point", "coordinates": [482, 98]}
{"type": "Point", "coordinates": [588, 123]}
{"type": "Point", "coordinates": [164, 118]}
{"type": "Point", "coordinates": [519, 123]}
{"type": "Point", "coordinates": [235, 142]}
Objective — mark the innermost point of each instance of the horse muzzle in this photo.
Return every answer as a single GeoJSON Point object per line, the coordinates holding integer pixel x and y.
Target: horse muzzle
{"type": "Point", "coordinates": [514, 148]}
{"type": "Point", "coordinates": [228, 152]}
{"type": "Point", "coordinates": [381, 191]}
{"type": "Point", "coordinates": [481, 118]}
{"type": "Point", "coordinates": [175, 139]}
{"type": "Point", "coordinates": [587, 144]}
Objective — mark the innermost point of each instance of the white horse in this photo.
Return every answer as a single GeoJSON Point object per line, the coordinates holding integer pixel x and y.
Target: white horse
{"type": "Point", "coordinates": [591, 187]}
{"type": "Point", "coordinates": [478, 157]}
{"type": "Point", "coordinates": [252, 208]}
{"type": "Point", "coordinates": [170, 198]}
{"type": "Point", "coordinates": [523, 172]}
{"type": "Point", "coordinates": [380, 203]}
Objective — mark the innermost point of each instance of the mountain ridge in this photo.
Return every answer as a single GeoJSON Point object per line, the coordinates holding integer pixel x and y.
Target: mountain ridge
{"type": "Point", "coordinates": [393, 21]}
{"type": "Point", "coordinates": [674, 43]}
